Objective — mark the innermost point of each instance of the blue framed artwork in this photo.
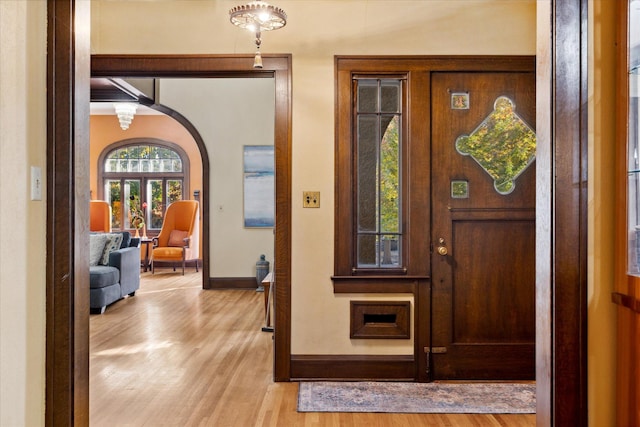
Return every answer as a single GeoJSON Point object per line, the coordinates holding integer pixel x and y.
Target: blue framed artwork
{"type": "Point", "coordinates": [259, 186]}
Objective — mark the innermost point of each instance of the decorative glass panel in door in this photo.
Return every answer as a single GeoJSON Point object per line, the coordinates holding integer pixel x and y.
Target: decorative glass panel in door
{"type": "Point", "coordinates": [504, 145]}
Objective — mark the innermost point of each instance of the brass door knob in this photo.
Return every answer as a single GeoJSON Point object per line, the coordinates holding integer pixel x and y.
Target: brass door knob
{"type": "Point", "coordinates": [442, 248]}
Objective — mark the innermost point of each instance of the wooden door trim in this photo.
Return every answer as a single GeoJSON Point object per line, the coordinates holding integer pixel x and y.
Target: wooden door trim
{"type": "Point", "coordinates": [628, 301]}
{"type": "Point", "coordinates": [67, 260]}
{"type": "Point", "coordinates": [561, 246]}
{"type": "Point", "coordinates": [277, 67]}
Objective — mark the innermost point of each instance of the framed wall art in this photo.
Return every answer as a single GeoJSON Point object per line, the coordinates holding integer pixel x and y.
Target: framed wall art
{"type": "Point", "coordinates": [259, 186]}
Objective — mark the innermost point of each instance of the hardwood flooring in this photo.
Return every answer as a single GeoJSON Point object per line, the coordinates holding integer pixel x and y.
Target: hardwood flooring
{"type": "Point", "coordinates": [177, 355]}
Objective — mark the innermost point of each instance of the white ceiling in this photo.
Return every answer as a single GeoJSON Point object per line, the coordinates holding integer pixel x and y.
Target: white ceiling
{"type": "Point", "coordinates": [107, 109]}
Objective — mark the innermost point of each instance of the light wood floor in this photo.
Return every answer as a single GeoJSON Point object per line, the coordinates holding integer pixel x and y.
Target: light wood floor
{"type": "Point", "coordinates": [176, 355]}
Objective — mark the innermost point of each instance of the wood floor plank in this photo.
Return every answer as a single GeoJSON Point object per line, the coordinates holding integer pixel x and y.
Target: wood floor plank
{"type": "Point", "coordinates": [177, 355]}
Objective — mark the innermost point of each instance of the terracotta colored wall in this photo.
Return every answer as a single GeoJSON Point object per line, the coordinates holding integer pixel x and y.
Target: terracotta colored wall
{"type": "Point", "coordinates": [105, 130]}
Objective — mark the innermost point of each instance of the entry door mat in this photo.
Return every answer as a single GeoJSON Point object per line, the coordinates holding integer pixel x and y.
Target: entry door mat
{"type": "Point", "coordinates": [424, 398]}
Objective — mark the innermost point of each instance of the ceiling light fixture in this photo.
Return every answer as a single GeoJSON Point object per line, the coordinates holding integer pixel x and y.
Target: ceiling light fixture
{"type": "Point", "coordinates": [125, 112]}
{"type": "Point", "coordinates": [258, 16]}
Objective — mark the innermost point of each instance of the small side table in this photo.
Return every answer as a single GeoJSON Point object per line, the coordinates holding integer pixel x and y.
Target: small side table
{"type": "Point", "coordinates": [145, 243]}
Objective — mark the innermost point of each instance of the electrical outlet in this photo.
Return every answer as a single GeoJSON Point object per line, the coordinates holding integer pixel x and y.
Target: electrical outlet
{"type": "Point", "coordinates": [310, 199]}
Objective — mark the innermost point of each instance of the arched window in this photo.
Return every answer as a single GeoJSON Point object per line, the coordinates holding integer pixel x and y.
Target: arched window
{"type": "Point", "coordinates": [140, 178]}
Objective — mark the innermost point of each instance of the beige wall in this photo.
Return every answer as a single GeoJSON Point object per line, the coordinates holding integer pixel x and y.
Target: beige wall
{"type": "Point", "coordinates": [22, 221]}
{"type": "Point", "coordinates": [228, 114]}
{"type": "Point", "coordinates": [105, 130]}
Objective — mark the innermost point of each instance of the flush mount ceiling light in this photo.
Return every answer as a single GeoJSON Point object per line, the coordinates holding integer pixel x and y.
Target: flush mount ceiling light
{"type": "Point", "coordinates": [258, 16]}
{"type": "Point", "coordinates": [125, 112]}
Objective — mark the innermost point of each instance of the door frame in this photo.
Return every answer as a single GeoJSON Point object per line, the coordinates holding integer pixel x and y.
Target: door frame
{"type": "Point", "coordinates": [277, 67]}
{"type": "Point", "coordinates": [562, 219]}
{"type": "Point", "coordinates": [561, 212]}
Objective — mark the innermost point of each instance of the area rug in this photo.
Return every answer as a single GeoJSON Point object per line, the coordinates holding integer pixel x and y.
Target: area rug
{"type": "Point", "coordinates": [394, 397]}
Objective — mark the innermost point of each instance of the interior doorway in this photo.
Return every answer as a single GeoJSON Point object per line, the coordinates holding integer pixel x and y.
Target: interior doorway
{"type": "Point", "coordinates": [278, 68]}
{"type": "Point", "coordinates": [203, 120]}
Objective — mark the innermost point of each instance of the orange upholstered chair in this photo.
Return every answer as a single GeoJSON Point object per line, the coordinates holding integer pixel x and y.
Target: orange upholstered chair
{"type": "Point", "coordinates": [100, 216]}
{"type": "Point", "coordinates": [178, 241]}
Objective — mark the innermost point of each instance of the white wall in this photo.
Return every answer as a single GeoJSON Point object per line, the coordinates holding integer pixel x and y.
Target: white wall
{"type": "Point", "coordinates": [228, 114]}
{"type": "Point", "coordinates": [22, 221]}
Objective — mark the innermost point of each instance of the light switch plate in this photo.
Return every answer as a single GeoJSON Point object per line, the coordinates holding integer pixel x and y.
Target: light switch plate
{"type": "Point", "coordinates": [36, 183]}
{"type": "Point", "coordinates": [310, 199]}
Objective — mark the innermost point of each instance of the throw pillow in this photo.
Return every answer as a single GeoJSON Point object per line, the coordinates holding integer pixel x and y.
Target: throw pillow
{"type": "Point", "coordinates": [112, 244]}
{"type": "Point", "coordinates": [176, 238]}
{"type": "Point", "coordinates": [126, 239]}
{"type": "Point", "coordinates": [96, 247]}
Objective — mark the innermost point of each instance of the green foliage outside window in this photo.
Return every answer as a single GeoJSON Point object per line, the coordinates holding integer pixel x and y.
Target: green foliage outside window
{"type": "Point", "coordinates": [389, 178]}
{"type": "Point", "coordinates": [174, 191]}
{"type": "Point", "coordinates": [504, 145]}
{"type": "Point", "coordinates": [115, 199]}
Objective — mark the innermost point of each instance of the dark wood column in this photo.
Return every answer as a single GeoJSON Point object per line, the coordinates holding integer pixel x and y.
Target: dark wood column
{"type": "Point", "coordinates": [561, 253]}
{"type": "Point", "coordinates": [67, 341]}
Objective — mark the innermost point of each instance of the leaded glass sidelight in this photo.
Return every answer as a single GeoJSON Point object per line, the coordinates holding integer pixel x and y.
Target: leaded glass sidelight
{"type": "Point", "coordinates": [504, 145]}
{"type": "Point", "coordinates": [378, 122]}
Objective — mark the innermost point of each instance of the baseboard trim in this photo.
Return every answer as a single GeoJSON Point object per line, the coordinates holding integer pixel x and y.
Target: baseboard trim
{"type": "Point", "coordinates": [232, 283]}
{"type": "Point", "coordinates": [353, 367]}
{"type": "Point", "coordinates": [192, 263]}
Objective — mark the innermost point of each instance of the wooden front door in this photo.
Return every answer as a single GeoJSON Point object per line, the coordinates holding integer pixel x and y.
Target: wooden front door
{"type": "Point", "coordinates": [483, 226]}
